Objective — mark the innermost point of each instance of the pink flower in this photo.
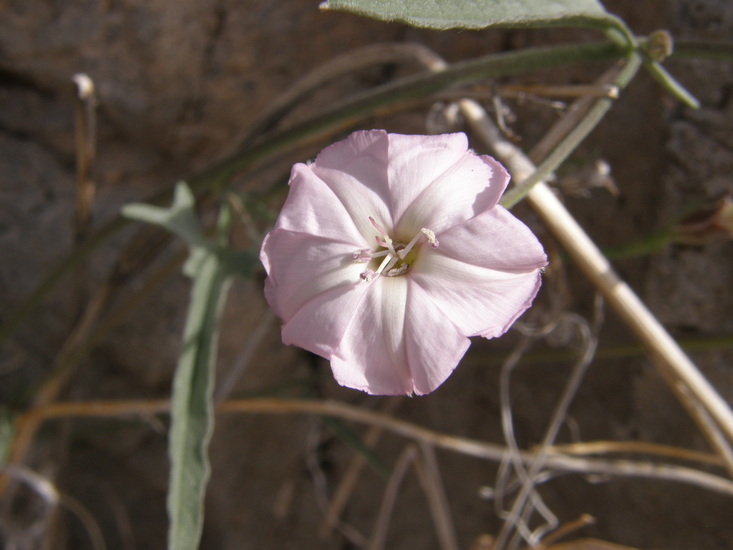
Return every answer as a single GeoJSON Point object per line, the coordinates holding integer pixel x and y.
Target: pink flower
{"type": "Point", "coordinates": [390, 251]}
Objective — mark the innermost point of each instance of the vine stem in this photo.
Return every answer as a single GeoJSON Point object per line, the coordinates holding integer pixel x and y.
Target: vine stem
{"type": "Point", "coordinates": [404, 93]}
{"type": "Point", "coordinates": [672, 361]}
{"type": "Point", "coordinates": [469, 447]}
{"type": "Point", "coordinates": [708, 409]}
{"type": "Point", "coordinates": [575, 134]}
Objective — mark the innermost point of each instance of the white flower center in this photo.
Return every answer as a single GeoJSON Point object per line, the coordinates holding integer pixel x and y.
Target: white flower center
{"type": "Point", "coordinates": [391, 258]}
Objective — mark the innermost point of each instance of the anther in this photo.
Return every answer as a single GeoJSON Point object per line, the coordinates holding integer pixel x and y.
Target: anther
{"type": "Point", "coordinates": [424, 232]}
{"type": "Point", "coordinates": [362, 255]}
{"type": "Point", "coordinates": [430, 236]}
{"type": "Point", "coordinates": [394, 255]}
{"type": "Point", "coordinates": [394, 272]}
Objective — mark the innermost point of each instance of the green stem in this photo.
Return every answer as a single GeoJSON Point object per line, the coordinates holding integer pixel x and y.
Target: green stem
{"type": "Point", "coordinates": [700, 344]}
{"type": "Point", "coordinates": [407, 92]}
{"type": "Point", "coordinates": [404, 92]}
{"type": "Point", "coordinates": [691, 49]}
{"type": "Point", "coordinates": [648, 245]}
{"type": "Point", "coordinates": [574, 137]}
{"type": "Point", "coordinates": [669, 83]}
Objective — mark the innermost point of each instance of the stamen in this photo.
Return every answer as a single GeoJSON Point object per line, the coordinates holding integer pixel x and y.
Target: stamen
{"type": "Point", "coordinates": [362, 255]}
{"type": "Point", "coordinates": [430, 236]}
{"type": "Point", "coordinates": [424, 232]}
{"type": "Point", "coordinates": [393, 254]}
{"type": "Point", "coordinates": [398, 270]}
{"type": "Point", "coordinates": [405, 251]}
{"type": "Point", "coordinates": [387, 263]}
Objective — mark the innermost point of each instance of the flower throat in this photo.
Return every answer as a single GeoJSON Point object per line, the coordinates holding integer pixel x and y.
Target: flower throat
{"type": "Point", "coordinates": [391, 258]}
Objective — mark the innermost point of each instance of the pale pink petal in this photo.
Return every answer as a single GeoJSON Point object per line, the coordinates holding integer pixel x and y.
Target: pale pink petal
{"type": "Point", "coordinates": [399, 342]}
{"type": "Point", "coordinates": [312, 207]}
{"type": "Point", "coordinates": [479, 301]}
{"type": "Point", "coordinates": [415, 162]}
{"type": "Point", "coordinates": [494, 239]}
{"type": "Point", "coordinates": [356, 171]}
{"type": "Point", "coordinates": [472, 185]}
{"type": "Point", "coordinates": [398, 334]}
{"type": "Point", "coordinates": [434, 344]}
{"type": "Point", "coordinates": [319, 325]}
{"type": "Point", "coordinates": [300, 267]}
{"type": "Point", "coordinates": [372, 356]}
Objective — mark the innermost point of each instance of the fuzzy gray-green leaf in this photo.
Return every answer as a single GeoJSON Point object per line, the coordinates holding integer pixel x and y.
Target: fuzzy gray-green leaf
{"type": "Point", "coordinates": [180, 218]}
{"type": "Point", "coordinates": [210, 264]}
{"type": "Point", "coordinates": [192, 416]}
{"type": "Point", "coordinates": [479, 14]}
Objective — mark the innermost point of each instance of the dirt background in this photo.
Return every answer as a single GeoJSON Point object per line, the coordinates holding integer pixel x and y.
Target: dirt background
{"type": "Point", "coordinates": [178, 82]}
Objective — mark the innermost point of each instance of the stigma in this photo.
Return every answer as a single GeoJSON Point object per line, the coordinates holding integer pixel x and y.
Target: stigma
{"type": "Point", "coordinates": [391, 258]}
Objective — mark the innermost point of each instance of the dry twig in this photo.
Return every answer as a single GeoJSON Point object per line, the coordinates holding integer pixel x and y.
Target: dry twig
{"type": "Point", "coordinates": [469, 447]}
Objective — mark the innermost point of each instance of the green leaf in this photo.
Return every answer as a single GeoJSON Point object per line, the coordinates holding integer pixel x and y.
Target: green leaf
{"type": "Point", "coordinates": [179, 219]}
{"type": "Point", "coordinates": [192, 416]}
{"type": "Point", "coordinates": [6, 435]}
{"type": "Point", "coordinates": [479, 14]}
{"type": "Point", "coordinates": [211, 266]}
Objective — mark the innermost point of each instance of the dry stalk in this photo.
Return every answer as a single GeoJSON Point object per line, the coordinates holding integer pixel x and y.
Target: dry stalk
{"type": "Point", "coordinates": [669, 357]}
{"type": "Point", "coordinates": [85, 120]}
{"type": "Point", "coordinates": [52, 499]}
{"type": "Point", "coordinates": [429, 474]}
{"type": "Point", "coordinates": [565, 529]}
{"type": "Point", "coordinates": [320, 484]}
{"type": "Point", "coordinates": [348, 481]}
{"type": "Point", "coordinates": [88, 331]}
{"type": "Point", "coordinates": [254, 339]}
{"type": "Point", "coordinates": [469, 447]}
{"type": "Point", "coordinates": [349, 63]}
{"type": "Point", "coordinates": [528, 499]}
{"type": "Point", "coordinates": [379, 533]}
{"type": "Point", "coordinates": [524, 478]}
{"type": "Point", "coordinates": [636, 447]}
{"type": "Point", "coordinates": [671, 360]}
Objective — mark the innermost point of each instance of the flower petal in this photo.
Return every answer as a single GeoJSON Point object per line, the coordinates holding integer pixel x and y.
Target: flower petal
{"type": "Point", "coordinates": [479, 301]}
{"type": "Point", "coordinates": [300, 267]}
{"type": "Point", "coordinates": [399, 334]}
{"type": "Point", "coordinates": [494, 239]}
{"type": "Point", "coordinates": [434, 344]}
{"type": "Point", "coordinates": [312, 207]}
{"type": "Point", "coordinates": [399, 342]}
{"type": "Point", "coordinates": [372, 356]}
{"type": "Point", "coordinates": [319, 325]}
{"type": "Point", "coordinates": [472, 185]}
{"type": "Point", "coordinates": [356, 171]}
{"type": "Point", "coordinates": [415, 162]}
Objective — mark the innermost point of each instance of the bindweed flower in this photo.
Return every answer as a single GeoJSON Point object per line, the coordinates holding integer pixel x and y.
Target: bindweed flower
{"type": "Point", "coordinates": [390, 251]}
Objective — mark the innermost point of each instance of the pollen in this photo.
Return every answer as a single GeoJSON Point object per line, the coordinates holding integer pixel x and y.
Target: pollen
{"type": "Point", "coordinates": [390, 257]}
